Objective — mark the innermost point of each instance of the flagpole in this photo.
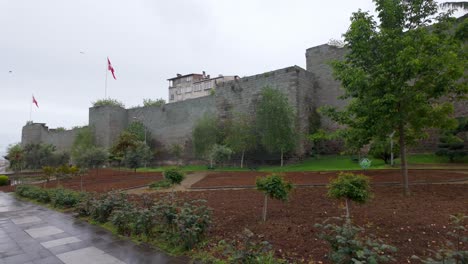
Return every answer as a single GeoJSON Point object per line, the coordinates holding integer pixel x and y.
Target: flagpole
{"type": "Point", "coordinates": [105, 90]}
{"type": "Point", "coordinates": [30, 110]}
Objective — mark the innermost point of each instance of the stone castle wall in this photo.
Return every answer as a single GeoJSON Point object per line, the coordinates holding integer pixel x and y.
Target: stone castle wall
{"type": "Point", "coordinates": [40, 133]}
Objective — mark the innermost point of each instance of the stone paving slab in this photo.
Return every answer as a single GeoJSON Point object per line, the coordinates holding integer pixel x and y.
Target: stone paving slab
{"type": "Point", "coordinates": [43, 231]}
{"type": "Point", "coordinates": [88, 255]}
{"type": "Point", "coordinates": [60, 242]}
{"type": "Point", "coordinates": [34, 234]}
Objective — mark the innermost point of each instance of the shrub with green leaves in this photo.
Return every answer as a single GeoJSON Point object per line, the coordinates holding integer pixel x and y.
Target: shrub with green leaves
{"type": "Point", "coordinates": [64, 198]}
{"type": "Point", "coordinates": [219, 154]}
{"type": "Point", "coordinates": [108, 102]}
{"type": "Point", "coordinates": [349, 244]}
{"type": "Point", "coordinates": [453, 251]}
{"type": "Point", "coordinates": [145, 223]}
{"type": "Point", "coordinates": [192, 221]}
{"type": "Point", "coordinates": [275, 187]}
{"type": "Point", "coordinates": [349, 186]}
{"type": "Point", "coordinates": [246, 249]}
{"type": "Point", "coordinates": [162, 184]}
{"type": "Point", "coordinates": [3, 180]}
{"type": "Point", "coordinates": [34, 192]}
{"type": "Point", "coordinates": [174, 175]}
{"type": "Point", "coordinates": [102, 207]}
{"type": "Point", "coordinates": [123, 219]}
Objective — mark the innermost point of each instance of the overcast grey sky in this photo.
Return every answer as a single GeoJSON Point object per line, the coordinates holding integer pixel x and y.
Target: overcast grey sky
{"type": "Point", "coordinates": [57, 49]}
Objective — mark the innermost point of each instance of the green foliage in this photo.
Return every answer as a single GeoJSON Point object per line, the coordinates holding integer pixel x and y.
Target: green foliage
{"type": "Point", "coordinates": [274, 186]}
{"type": "Point", "coordinates": [3, 180]}
{"type": "Point", "coordinates": [219, 154]}
{"type": "Point", "coordinates": [349, 245]}
{"type": "Point", "coordinates": [93, 157]}
{"type": "Point", "coordinates": [137, 156]}
{"type": "Point", "coordinates": [64, 198]}
{"type": "Point", "coordinates": [380, 149]}
{"type": "Point", "coordinates": [453, 252]}
{"type": "Point", "coordinates": [241, 135]}
{"type": "Point", "coordinates": [176, 150]}
{"type": "Point", "coordinates": [38, 155]}
{"type": "Point", "coordinates": [397, 72]}
{"type": "Point", "coordinates": [84, 139]}
{"type": "Point", "coordinates": [174, 175]}
{"type": "Point", "coordinates": [47, 172]}
{"type": "Point", "coordinates": [205, 134]}
{"type": "Point", "coordinates": [355, 187]}
{"type": "Point", "coordinates": [33, 192]}
{"type": "Point", "coordinates": [275, 122]}
{"type": "Point", "coordinates": [108, 102]}
{"type": "Point", "coordinates": [61, 129]}
{"type": "Point", "coordinates": [15, 155]}
{"type": "Point", "coordinates": [145, 223]}
{"type": "Point", "coordinates": [162, 184]}
{"type": "Point", "coordinates": [124, 218]}
{"type": "Point", "coordinates": [151, 102]}
{"type": "Point", "coordinates": [451, 145]}
{"type": "Point", "coordinates": [138, 129]}
{"type": "Point", "coordinates": [245, 249]}
{"type": "Point", "coordinates": [125, 142]}
{"type": "Point", "coordinates": [192, 221]}
{"type": "Point", "coordinates": [102, 207]}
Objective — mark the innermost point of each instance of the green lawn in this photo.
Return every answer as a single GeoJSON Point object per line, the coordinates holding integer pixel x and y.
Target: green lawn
{"type": "Point", "coordinates": [324, 163]}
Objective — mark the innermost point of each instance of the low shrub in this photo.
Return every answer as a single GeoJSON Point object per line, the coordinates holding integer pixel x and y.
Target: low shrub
{"type": "Point", "coordinates": [34, 193]}
{"type": "Point", "coordinates": [64, 198]}
{"type": "Point", "coordinates": [102, 207]}
{"type": "Point", "coordinates": [84, 207]}
{"type": "Point", "coordinates": [349, 244]}
{"type": "Point", "coordinates": [162, 184]}
{"type": "Point", "coordinates": [123, 219]}
{"type": "Point", "coordinates": [192, 221]}
{"type": "Point", "coordinates": [246, 249]}
{"type": "Point", "coordinates": [145, 223]}
{"type": "Point", "coordinates": [174, 175]}
{"type": "Point", "coordinates": [3, 180]}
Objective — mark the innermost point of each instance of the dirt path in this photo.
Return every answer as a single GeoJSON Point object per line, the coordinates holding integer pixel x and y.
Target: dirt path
{"type": "Point", "coordinates": [186, 184]}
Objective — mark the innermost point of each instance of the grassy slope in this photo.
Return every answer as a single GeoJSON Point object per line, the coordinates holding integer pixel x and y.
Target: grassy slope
{"type": "Point", "coordinates": [325, 163]}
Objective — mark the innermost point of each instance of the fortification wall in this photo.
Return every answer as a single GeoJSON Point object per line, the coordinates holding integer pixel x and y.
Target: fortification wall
{"type": "Point", "coordinates": [107, 123]}
{"type": "Point", "coordinates": [40, 133]}
{"type": "Point", "coordinates": [242, 95]}
{"type": "Point", "coordinates": [172, 123]}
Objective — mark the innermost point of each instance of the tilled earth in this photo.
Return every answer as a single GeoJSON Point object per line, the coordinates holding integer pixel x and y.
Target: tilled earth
{"type": "Point", "coordinates": [231, 179]}
{"type": "Point", "coordinates": [413, 224]}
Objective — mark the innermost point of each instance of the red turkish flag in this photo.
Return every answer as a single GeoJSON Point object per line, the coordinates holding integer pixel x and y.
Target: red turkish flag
{"type": "Point", "coordinates": [110, 68]}
{"type": "Point", "coordinates": [35, 102]}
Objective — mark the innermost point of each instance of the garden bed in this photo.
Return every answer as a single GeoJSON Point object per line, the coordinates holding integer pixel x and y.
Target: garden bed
{"type": "Point", "coordinates": [413, 224]}
{"type": "Point", "coordinates": [103, 180]}
{"type": "Point", "coordinates": [239, 179]}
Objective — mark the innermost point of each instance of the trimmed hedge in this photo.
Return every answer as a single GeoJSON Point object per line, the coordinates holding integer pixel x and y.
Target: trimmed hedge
{"type": "Point", "coordinates": [3, 180]}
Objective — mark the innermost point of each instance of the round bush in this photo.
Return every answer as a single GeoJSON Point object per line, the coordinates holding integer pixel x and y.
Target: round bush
{"type": "Point", "coordinates": [174, 176]}
{"type": "Point", "coordinates": [3, 180]}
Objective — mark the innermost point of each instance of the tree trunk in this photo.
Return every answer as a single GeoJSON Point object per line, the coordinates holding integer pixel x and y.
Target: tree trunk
{"type": "Point", "coordinates": [281, 157]}
{"type": "Point", "coordinates": [404, 165]}
{"type": "Point", "coordinates": [211, 163]}
{"type": "Point", "coordinates": [81, 182]}
{"type": "Point", "coordinates": [242, 159]}
{"type": "Point", "coordinates": [265, 204]}
{"type": "Point", "coordinates": [347, 210]}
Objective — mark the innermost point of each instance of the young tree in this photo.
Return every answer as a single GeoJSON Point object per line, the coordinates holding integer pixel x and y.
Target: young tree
{"type": "Point", "coordinates": [137, 156]}
{"type": "Point", "coordinates": [93, 157]}
{"type": "Point", "coordinates": [275, 122]}
{"type": "Point", "coordinates": [205, 134]}
{"type": "Point", "coordinates": [381, 149]}
{"type": "Point", "coordinates": [15, 155]}
{"type": "Point", "coordinates": [241, 136]}
{"type": "Point", "coordinates": [138, 129]}
{"type": "Point", "coordinates": [397, 72]}
{"type": "Point", "coordinates": [125, 142]}
{"type": "Point", "coordinates": [451, 145]}
{"type": "Point", "coordinates": [350, 187]}
{"type": "Point", "coordinates": [219, 154]}
{"type": "Point", "coordinates": [38, 155]}
{"type": "Point", "coordinates": [84, 139]}
{"type": "Point", "coordinates": [275, 187]}
{"type": "Point", "coordinates": [177, 150]}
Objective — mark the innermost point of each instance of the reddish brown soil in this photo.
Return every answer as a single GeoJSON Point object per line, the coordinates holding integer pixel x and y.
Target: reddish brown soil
{"type": "Point", "coordinates": [103, 180]}
{"type": "Point", "coordinates": [223, 179]}
{"type": "Point", "coordinates": [413, 224]}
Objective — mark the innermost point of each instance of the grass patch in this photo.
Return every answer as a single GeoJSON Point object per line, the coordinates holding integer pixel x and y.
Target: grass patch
{"type": "Point", "coordinates": [162, 184]}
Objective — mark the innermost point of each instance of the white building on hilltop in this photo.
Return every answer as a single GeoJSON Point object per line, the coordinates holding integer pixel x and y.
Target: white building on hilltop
{"type": "Point", "coordinates": [183, 87]}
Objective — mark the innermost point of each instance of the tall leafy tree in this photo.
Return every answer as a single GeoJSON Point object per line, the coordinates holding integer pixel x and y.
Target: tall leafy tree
{"type": "Point", "coordinates": [84, 139]}
{"type": "Point", "coordinates": [15, 155]}
{"type": "Point", "coordinates": [206, 134]}
{"type": "Point", "coordinates": [241, 136]}
{"type": "Point", "coordinates": [137, 156]}
{"type": "Point", "coordinates": [275, 122]}
{"type": "Point", "coordinates": [93, 157]}
{"type": "Point", "coordinates": [397, 72]}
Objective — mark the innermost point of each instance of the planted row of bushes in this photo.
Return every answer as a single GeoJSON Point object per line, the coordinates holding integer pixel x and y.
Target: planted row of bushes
{"type": "Point", "coordinates": [59, 197]}
{"type": "Point", "coordinates": [179, 223]}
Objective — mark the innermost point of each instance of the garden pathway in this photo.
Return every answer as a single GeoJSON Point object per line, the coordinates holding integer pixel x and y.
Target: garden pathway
{"type": "Point", "coordinates": [33, 234]}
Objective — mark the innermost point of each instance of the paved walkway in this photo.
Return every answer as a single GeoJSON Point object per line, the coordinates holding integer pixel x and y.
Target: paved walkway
{"type": "Point", "coordinates": [34, 234]}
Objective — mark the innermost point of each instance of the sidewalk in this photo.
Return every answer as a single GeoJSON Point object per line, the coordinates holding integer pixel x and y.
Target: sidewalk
{"type": "Point", "coordinates": [33, 234]}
